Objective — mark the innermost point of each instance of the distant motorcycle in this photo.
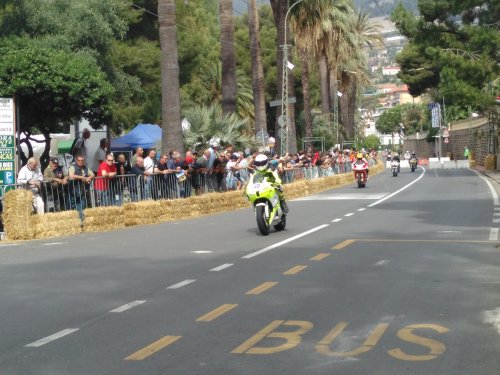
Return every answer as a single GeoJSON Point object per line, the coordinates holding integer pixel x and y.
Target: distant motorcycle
{"type": "Point", "coordinates": [360, 173]}
{"type": "Point", "coordinates": [413, 164]}
{"type": "Point", "coordinates": [395, 168]}
{"type": "Point", "coordinates": [265, 199]}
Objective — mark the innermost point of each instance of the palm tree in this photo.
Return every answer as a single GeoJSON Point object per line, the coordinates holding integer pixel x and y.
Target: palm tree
{"type": "Point", "coordinates": [207, 122]}
{"type": "Point", "coordinates": [353, 74]}
{"type": "Point", "coordinates": [228, 58]}
{"type": "Point", "coordinates": [171, 119]}
{"type": "Point", "coordinates": [306, 26]}
{"type": "Point", "coordinates": [258, 84]}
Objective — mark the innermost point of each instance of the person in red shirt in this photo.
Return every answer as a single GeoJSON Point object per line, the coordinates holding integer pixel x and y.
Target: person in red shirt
{"type": "Point", "coordinates": [106, 171]}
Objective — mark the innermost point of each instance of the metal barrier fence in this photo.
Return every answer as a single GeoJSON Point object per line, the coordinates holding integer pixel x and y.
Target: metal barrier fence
{"type": "Point", "coordinates": [104, 191]}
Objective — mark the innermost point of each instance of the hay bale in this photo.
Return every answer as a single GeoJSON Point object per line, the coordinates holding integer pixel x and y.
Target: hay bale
{"type": "Point", "coordinates": [103, 219]}
{"type": "Point", "coordinates": [145, 212]}
{"type": "Point", "coordinates": [490, 162]}
{"type": "Point", "coordinates": [56, 224]}
{"type": "Point", "coordinates": [16, 216]}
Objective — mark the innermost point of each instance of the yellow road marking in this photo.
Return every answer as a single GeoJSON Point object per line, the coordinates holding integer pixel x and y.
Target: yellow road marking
{"type": "Point", "coordinates": [343, 244]}
{"type": "Point", "coordinates": [262, 287]}
{"type": "Point", "coordinates": [214, 314]}
{"type": "Point", "coordinates": [320, 256]}
{"type": "Point", "coordinates": [152, 348]}
{"type": "Point", "coordinates": [294, 270]}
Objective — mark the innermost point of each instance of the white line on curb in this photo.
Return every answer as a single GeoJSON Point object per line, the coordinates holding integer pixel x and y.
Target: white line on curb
{"type": "Point", "coordinates": [53, 337]}
{"type": "Point", "coordinates": [266, 249]}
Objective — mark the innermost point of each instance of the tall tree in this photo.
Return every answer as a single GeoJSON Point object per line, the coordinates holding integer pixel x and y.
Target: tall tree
{"type": "Point", "coordinates": [353, 72]}
{"type": "Point", "coordinates": [228, 58]}
{"type": "Point", "coordinates": [307, 27]}
{"type": "Point", "coordinates": [258, 84]}
{"type": "Point", "coordinates": [453, 48]}
{"type": "Point", "coordinates": [171, 117]}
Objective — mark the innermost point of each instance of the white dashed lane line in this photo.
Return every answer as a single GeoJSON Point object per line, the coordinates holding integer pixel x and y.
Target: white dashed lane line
{"type": "Point", "coordinates": [336, 220]}
{"type": "Point", "coordinates": [362, 209]}
{"type": "Point", "coordinates": [266, 249]}
{"type": "Point", "coordinates": [181, 284]}
{"type": "Point", "coordinates": [127, 306]}
{"type": "Point", "coordinates": [349, 214]}
{"type": "Point", "coordinates": [53, 337]}
{"type": "Point", "coordinates": [220, 268]}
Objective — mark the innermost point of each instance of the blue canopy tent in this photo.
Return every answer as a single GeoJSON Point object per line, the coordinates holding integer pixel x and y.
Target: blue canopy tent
{"type": "Point", "coordinates": [143, 135]}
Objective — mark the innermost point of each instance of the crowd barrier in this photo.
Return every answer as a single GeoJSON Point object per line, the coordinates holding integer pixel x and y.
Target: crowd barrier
{"type": "Point", "coordinates": [131, 200]}
{"type": "Point", "coordinates": [102, 191]}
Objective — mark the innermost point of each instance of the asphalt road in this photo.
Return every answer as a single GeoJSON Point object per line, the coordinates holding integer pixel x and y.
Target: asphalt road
{"type": "Point", "coordinates": [400, 277]}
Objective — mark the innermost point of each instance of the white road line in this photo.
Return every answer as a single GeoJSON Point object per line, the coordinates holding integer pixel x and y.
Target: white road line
{"type": "Point", "coordinates": [127, 306]}
{"type": "Point", "coordinates": [361, 209]}
{"type": "Point", "coordinates": [400, 190]}
{"type": "Point", "coordinates": [53, 243]}
{"type": "Point", "coordinates": [493, 234]}
{"type": "Point", "coordinates": [492, 189]}
{"type": "Point", "coordinates": [181, 284]}
{"type": "Point", "coordinates": [220, 268]}
{"type": "Point", "coordinates": [382, 262]}
{"type": "Point", "coordinates": [336, 220]}
{"type": "Point", "coordinates": [53, 337]}
{"type": "Point", "coordinates": [349, 214]}
{"type": "Point", "coordinates": [202, 252]}
{"type": "Point", "coordinates": [496, 221]}
{"type": "Point", "coordinates": [266, 249]}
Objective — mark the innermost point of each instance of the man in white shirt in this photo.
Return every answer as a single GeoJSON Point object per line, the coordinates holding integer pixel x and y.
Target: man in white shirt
{"type": "Point", "coordinates": [31, 176]}
{"type": "Point", "coordinates": [149, 169]}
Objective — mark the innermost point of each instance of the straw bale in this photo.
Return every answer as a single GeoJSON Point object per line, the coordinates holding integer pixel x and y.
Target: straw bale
{"type": "Point", "coordinates": [56, 224]}
{"type": "Point", "coordinates": [17, 212]}
{"type": "Point", "coordinates": [145, 212]}
{"type": "Point", "coordinates": [103, 219]}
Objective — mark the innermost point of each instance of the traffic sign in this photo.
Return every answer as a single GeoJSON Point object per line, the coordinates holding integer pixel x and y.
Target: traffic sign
{"type": "Point", "coordinates": [447, 140]}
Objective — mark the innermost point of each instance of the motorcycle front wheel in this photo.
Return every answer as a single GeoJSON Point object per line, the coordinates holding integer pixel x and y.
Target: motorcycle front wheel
{"type": "Point", "coordinates": [360, 182]}
{"type": "Point", "coordinates": [260, 214]}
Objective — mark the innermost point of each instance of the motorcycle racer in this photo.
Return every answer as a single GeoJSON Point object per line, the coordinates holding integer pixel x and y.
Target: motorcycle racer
{"type": "Point", "coordinates": [261, 164]}
{"type": "Point", "coordinates": [361, 160]}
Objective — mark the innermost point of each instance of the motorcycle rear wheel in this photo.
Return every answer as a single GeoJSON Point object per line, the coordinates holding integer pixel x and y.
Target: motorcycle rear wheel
{"type": "Point", "coordinates": [260, 214]}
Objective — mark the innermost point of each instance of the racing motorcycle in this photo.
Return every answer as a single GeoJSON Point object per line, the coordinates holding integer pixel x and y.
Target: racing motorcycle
{"type": "Point", "coordinates": [360, 173]}
{"type": "Point", "coordinates": [413, 164]}
{"type": "Point", "coordinates": [265, 200]}
{"type": "Point", "coordinates": [395, 168]}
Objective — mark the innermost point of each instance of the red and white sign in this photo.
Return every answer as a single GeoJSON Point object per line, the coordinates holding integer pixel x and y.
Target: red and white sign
{"type": "Point", "coordinates": [447, 140]}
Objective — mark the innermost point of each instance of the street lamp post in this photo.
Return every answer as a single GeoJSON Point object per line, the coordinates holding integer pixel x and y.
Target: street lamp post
{"type": "Point", "coordinates": [285, 119]}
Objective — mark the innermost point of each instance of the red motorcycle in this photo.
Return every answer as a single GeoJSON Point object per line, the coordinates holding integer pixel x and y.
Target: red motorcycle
{"type": "Point", "coordinates": [360, 173]}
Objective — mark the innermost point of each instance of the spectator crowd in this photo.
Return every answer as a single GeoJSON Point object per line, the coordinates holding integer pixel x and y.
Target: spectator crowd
{"type": "Point", "coordinates": [151, 175]}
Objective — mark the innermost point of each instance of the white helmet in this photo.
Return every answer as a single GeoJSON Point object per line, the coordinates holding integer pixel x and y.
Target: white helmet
{"type": "Point", "coordinates": [260, 162]}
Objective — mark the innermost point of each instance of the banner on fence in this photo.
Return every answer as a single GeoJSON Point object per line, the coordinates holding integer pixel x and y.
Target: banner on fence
{"type": "Point", "coordinates": [7, 142]}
